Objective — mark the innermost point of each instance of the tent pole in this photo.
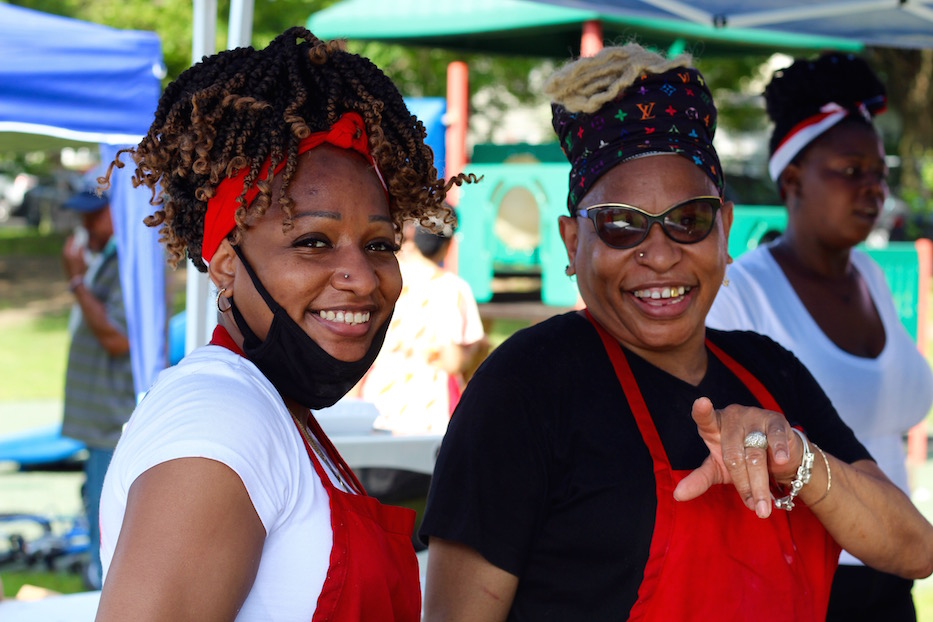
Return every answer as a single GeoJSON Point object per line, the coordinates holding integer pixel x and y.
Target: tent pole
{"type": "Point", "coordinates": [240, 30]}
{"type": "Point", "coordinates": [200, 314]}
{"type": "Point", "coordinates": [202, 317]}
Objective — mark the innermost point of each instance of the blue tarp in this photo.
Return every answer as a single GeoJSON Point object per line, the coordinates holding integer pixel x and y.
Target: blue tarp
{"type": "Point", "coordinates": [39, 446]}
{"type": "Point", "coordinates": [431, 111]}
{"type": "Point", "coordinates": [69, 79]}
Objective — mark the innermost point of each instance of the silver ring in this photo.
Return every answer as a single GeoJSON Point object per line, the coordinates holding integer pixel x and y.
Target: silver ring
{"type": "Point", "coordinates": [758, 440]}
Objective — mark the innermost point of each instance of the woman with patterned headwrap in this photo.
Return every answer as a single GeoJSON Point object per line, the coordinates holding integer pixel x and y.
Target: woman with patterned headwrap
{"type": "Point", "coordinates": [624, 462]}
{"type": "Point", "coordinates": [815, 294]}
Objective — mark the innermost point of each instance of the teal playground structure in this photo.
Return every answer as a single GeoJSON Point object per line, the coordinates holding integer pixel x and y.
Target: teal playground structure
{"type": "Point", "coordinates": [508, 224]}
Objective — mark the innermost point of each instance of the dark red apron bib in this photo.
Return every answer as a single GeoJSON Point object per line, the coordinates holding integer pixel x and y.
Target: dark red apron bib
{"type": "Point", "coordinates": [373, 571]}
{"type": "Point", "coordinates": [712, 558]}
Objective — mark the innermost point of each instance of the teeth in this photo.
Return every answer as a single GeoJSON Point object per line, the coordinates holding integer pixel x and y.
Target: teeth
{"type": "Point", "coordinates": [662, 292]}
{"type": "Point", "coordinates": [345, 317]}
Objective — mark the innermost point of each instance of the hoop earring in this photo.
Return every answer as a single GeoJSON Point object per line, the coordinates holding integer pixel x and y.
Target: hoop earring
{"type": "Point", "coordinates": [217, 301]}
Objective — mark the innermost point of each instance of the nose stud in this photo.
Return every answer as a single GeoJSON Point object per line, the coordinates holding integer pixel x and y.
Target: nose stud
{"type": "Point", "coordinates": [641, 254]}
{"type": "Point", "coordinates": [346, 276]}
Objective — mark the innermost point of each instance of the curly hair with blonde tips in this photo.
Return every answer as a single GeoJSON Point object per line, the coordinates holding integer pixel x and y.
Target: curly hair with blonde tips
{"type": "Point", "coordinates": [236, 109]}
{"type": "Point", "coordinates": [588, 83]}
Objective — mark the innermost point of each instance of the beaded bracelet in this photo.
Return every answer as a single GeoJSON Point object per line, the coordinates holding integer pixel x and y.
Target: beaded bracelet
{"type": "Point", "coordinates": [803, 476]}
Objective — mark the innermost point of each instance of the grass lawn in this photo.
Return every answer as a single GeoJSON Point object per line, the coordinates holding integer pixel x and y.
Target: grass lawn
{"type": "Point", "coordinates": [61, 582]}
{"type": "Point", "coordinates": [30, 242]}
{"type": "Point", "coordinates": [34, 350]}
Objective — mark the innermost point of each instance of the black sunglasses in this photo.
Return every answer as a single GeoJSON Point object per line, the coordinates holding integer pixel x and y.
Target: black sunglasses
{"type": "Point", "coordinates": [626, 226]}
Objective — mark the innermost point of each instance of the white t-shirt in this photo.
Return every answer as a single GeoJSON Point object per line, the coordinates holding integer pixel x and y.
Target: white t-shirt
{"type": "Point", "coordinates": [216, 404]}
{"type": "Point", "coordinates": [879, 398]}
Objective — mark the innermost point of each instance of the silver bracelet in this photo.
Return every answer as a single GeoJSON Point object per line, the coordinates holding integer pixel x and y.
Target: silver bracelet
{"type": "Point", "coordinates": [829, 477]}
{"type": "Point", "coordinates": [803, 476]}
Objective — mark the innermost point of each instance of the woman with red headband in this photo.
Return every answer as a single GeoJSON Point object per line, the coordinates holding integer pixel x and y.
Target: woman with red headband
{"type": "Point", "coordinates": [285, 174]}
{"type": "Point", "coordinates": [814, 293]}
{"type": "Point", "coordinates": [622, 461]}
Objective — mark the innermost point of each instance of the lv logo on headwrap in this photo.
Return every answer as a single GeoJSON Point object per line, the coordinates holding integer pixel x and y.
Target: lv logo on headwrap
{"type": "Point", "coordinates": [646, 111]}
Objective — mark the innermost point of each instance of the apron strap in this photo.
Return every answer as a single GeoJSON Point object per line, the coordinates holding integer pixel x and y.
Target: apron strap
{"type": "Point", "coordinates": [663, 474]}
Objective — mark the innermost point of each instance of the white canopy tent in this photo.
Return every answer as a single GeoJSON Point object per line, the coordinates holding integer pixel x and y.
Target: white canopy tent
{"type": "Point", "coordinates": [884, 23]}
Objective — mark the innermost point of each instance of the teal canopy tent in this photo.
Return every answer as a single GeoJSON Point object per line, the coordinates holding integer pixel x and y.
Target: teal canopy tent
{"type": "Point", "coordinates": [531, 28]}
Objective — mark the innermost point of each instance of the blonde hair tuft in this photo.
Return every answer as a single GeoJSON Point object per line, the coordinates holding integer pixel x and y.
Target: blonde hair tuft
{"type": "Point", "coordinates": [588, 83]}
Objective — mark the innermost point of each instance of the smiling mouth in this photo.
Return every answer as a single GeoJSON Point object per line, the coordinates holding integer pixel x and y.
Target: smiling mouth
{"type": "Point", "coordinates": [661, 293]}
{"type": "Point", "coordinates": [345, 317]}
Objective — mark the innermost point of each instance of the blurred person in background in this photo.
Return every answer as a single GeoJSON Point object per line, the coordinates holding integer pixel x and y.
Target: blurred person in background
{"type": "Point", "coordinates": [817, 295]}
{"type": "Point", "coordinates": [435, 340]}
{"type": "Point", "coordinates": [99, 392]}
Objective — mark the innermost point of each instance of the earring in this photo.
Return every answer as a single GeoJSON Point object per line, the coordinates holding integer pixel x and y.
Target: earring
{"type": "Point", "coordinates": [568, 270]}
{"type": "Point", "coordinates": [217, 301]}
{"type": "Point", "coordinates": [725, 281]}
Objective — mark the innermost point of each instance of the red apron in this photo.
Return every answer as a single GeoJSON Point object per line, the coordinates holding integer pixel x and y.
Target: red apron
{"type": "Point", "coordinates": [712, 558]}
{"type": "Point", "coordinates": [373, 571]}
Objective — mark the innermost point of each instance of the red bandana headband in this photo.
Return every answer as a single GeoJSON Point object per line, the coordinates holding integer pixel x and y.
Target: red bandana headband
{"type": "Point", "coordinates": [348, 132]}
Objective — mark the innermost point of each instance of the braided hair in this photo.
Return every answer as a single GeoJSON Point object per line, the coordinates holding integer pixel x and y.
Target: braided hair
{"type": "Point", "coordinates": [801, 90]}
{"type": "Point", "coordinates": [236, 109]}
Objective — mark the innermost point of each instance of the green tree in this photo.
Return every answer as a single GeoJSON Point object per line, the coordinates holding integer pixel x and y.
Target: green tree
{"type": "Point", "coordinates": [908, 76]}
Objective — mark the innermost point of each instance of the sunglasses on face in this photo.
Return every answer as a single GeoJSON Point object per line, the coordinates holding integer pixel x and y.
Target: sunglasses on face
{"type": "Point", "coordinates": [626, 226]}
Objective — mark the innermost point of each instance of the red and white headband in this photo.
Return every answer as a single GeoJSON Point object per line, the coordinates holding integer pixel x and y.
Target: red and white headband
{"type": "Point", "coordinates": [805, 133]}
{"type": "Point", "coordinates": [349, 132]}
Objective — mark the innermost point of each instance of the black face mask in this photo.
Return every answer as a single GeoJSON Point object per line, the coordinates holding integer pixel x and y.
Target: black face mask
{"type": "Point", "coordinates": [298, 367]}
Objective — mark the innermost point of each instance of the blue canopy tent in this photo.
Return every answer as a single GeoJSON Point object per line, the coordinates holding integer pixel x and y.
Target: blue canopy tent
{"type": "Point", "coordinates": [76, 81]}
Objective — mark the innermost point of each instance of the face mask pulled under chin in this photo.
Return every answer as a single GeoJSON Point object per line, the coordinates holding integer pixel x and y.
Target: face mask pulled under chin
{"type": "Point", "coordinates": [295, 365]}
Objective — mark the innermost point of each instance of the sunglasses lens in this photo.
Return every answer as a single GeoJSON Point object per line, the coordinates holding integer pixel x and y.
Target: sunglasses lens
{"type": "Point", "coordinates": [620, 227]}
{"type": "Point", "coordinates": [626, 227]}
{"type": "Point", "coordinates": [691, 221]}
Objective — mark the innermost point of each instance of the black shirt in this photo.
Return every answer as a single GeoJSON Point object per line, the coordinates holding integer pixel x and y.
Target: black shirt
{"type": "Point", "coordinates": [543, 470]}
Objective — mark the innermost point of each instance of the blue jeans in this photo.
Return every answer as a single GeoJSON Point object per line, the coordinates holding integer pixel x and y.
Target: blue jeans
{"type": "Point", "coordinates": [94, 469]}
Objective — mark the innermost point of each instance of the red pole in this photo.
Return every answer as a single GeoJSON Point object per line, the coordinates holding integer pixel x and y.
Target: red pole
{"type": "Point", "coordinates": [458, 112]}
{"type": "Point", "coordinates": [591, 41]}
